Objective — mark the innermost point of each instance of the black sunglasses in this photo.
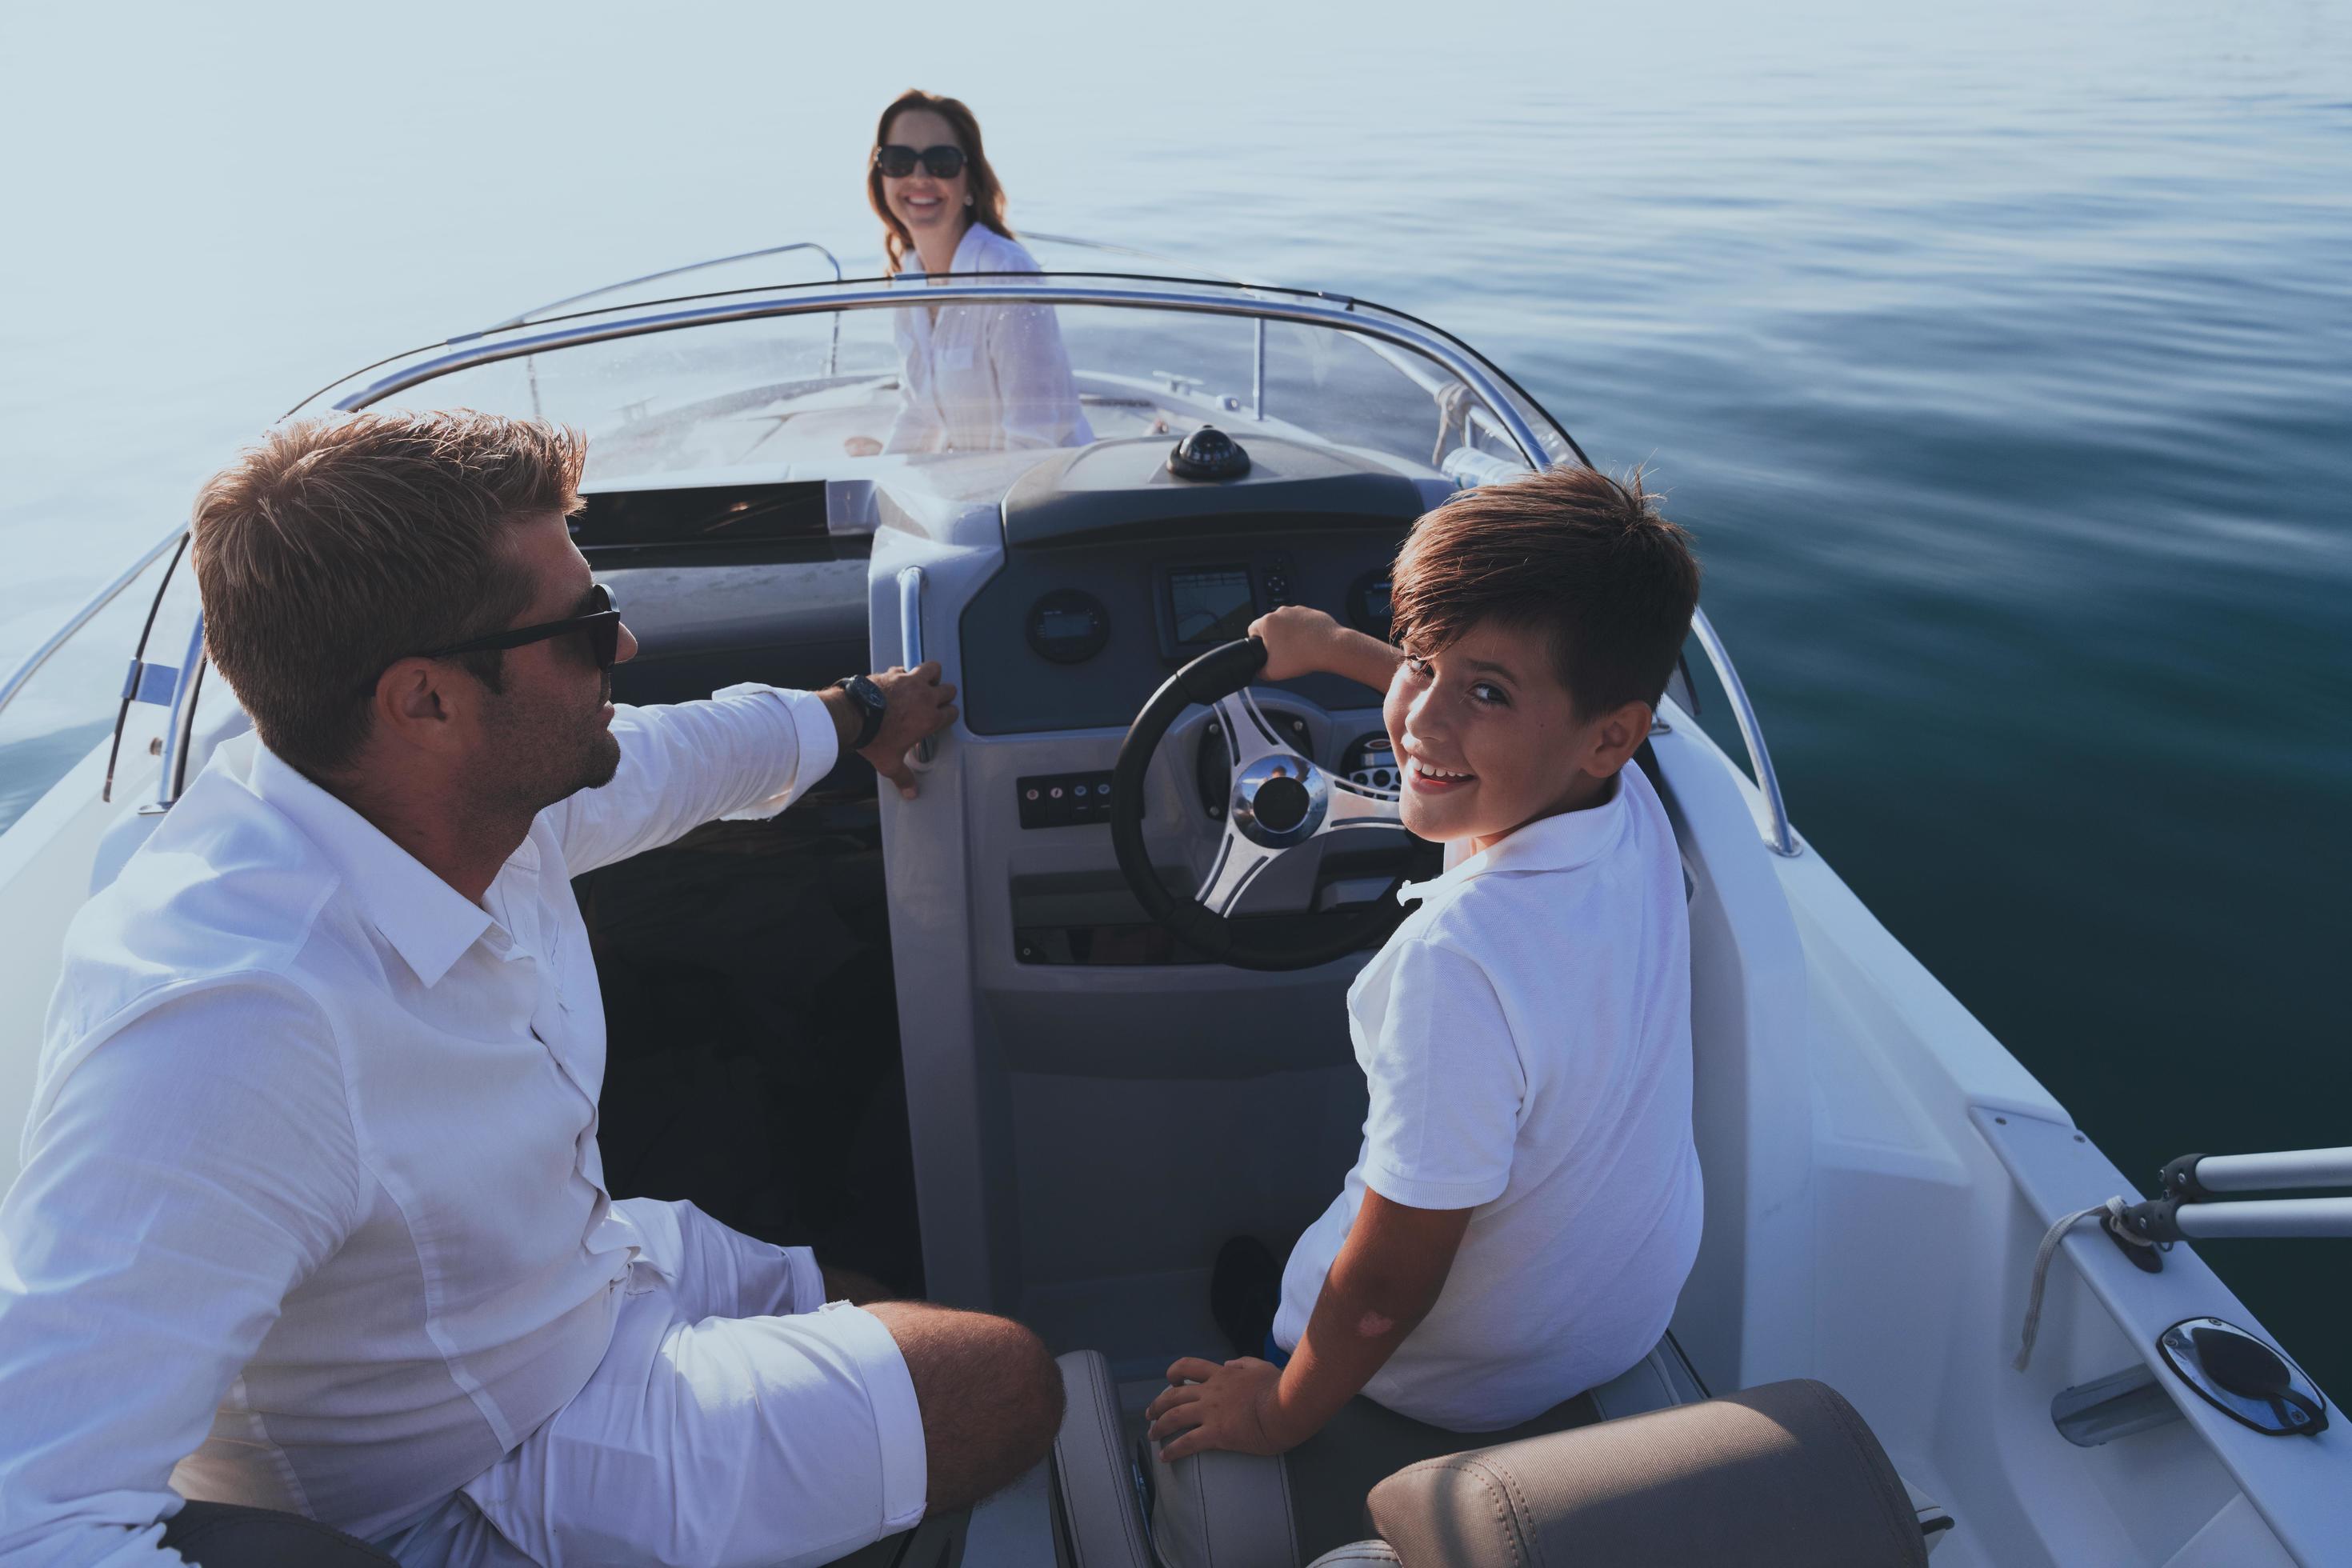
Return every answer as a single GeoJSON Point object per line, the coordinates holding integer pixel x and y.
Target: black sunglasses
{"type": "Point", "coordinates": [944, 161]}
{"type": "Point", "coordinates": [601, 626]}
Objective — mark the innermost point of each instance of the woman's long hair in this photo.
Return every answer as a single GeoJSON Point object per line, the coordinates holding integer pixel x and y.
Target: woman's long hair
{"type": "Point", "coordinates": [987, 195]}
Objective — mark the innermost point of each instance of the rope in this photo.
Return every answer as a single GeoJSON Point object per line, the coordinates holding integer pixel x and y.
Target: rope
{"type": "Point", "coordinates": [2114, 1211]}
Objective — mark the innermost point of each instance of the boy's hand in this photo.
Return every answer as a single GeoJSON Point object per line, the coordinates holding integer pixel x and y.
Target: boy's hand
{"type": "Point", "coordinates": [1298, 641]}
{"type": "Point", "coordinates": [1210, 1406]}
{"type": "Point", "coordinates": [1301, 641]}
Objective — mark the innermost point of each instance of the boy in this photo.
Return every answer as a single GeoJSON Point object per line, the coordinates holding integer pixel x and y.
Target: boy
{"type": "Point", "coordinates": [1525, 1205]}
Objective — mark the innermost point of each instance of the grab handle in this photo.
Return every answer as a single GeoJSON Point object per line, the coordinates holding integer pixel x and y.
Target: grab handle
{"type": "Point", "coordinates": [910, 635]}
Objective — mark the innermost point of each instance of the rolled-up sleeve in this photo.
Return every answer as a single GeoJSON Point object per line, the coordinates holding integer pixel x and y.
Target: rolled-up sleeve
{"type": "Point", "coordinates": [192, 1169]}
{"type": "Point", "coordinates": [748, 751]}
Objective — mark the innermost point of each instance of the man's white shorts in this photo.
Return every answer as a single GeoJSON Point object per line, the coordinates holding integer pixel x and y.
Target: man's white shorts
{"type": "Point", "coordinates": [723, 1426]}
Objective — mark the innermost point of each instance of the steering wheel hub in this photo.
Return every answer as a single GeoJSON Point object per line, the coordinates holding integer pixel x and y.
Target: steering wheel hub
{"type": "Point", "coordinates": [1279, 800]}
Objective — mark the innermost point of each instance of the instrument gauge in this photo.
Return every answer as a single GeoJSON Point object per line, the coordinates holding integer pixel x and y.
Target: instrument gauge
{"type": "Point", "coordinates": [1068, 627]}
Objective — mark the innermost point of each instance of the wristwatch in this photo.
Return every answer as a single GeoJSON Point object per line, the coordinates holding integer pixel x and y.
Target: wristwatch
{"type": "Point", "coordinates": [872, 707]}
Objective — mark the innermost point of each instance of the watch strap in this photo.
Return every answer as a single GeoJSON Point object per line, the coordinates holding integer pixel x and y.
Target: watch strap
{"type": "Point", "coordinates": [872, 707]}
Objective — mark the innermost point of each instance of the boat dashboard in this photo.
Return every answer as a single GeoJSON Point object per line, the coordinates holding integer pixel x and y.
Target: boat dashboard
{"type": "Point", "coordinates": [1111, 574]}
{"type": "Point", "coordinates": [1058, 606]}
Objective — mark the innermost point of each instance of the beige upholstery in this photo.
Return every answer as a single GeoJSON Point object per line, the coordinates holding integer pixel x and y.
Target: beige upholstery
{"type": "Point", "coordinates": [1091, 1470]}
{"type": "Point", "coordinates": [1231, 1514]}
{"type": "Point", "coordinates": [1236, 1511]}
{"type": "Point", "coordinates": [1775, 1476]}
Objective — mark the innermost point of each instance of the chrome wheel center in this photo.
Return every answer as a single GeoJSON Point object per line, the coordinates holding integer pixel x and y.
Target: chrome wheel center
{"type": "Point", "coordinates": [1279, 800]}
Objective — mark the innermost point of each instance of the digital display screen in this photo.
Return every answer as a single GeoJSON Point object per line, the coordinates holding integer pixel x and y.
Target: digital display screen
{"type": "Point", "coordinates": [1211, 604]}
{"type": "Point", "coordinates": [1065, 626]}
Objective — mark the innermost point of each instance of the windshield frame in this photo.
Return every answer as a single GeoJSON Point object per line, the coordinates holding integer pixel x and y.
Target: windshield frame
{"type": "Point", "coordinates": [1504, 398]}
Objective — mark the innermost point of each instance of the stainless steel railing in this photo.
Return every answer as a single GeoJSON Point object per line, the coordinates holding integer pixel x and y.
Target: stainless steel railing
{"type": "Point", "coordinates": [23, 672]}
{"type": "Point", "coordinates": [1778, 835]}
{"type": "Point", "coordinates": [1376, 326]}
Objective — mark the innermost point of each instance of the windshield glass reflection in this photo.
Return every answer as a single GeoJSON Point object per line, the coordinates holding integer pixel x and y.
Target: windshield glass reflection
{"type": "Point", "coordinates": [798, 395]}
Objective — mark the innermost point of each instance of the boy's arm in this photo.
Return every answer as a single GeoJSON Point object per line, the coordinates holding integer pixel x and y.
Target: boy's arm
{"type": "Point", "coordinates": [1302, 641]}
{"type": "Point", "coordinates": [1447, 1090]}
{"type": "Point", "coordinates": [1389, 1274]}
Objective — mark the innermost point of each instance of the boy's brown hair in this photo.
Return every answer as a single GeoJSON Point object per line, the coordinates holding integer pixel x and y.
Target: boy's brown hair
{"type": "Point", "coordinates": [332, 550]}
{"type": "Point", "coordinates": [1571, 552]}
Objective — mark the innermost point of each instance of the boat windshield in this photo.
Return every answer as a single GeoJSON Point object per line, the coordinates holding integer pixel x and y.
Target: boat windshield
{"type": "Point", "coordinates": [840, 391]}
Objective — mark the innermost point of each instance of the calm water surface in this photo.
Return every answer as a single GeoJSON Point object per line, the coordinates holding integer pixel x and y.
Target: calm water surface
{"type": "Point", "coordinates": [2002, 362]}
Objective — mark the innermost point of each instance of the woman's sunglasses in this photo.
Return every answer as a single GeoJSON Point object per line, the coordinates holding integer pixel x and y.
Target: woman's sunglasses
{"type": "Point", "coordinates": [944, 161]}
{"type": "Point", "coordinates": [600, 625]}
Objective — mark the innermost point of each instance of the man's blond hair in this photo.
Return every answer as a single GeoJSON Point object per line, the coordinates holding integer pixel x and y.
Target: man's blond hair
{"type": "Point", "coordinates": [335, 548]}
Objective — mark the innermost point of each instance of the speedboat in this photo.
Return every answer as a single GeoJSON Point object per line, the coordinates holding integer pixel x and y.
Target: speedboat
{"type": "Point", "coordinates": [1136, 884]}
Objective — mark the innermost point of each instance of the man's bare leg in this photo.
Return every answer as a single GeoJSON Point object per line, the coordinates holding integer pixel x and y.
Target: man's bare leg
{"type": "Point", "coordinates": [991, 1397]}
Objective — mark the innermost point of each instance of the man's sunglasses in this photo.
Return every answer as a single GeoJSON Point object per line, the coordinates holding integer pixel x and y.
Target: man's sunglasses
{"type": "Point", "coordinates": [601, 626]}
{"type": "Point", "coordinates": [944, 161]}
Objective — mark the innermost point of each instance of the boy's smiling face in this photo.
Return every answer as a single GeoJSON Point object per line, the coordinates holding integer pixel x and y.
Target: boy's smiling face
{"type": "Point", "coordinates": [1488, 739]}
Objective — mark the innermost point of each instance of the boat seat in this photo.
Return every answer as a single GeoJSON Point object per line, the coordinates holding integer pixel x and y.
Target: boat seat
{"type": "Point", "coordinates": [1100, 1487]}
{"type": "Point", "coordinates": [1094, 1480]}
{"type": "Point", "coordinates": [1776, 1477]}
{"type": "Point", "coordinates": [1240, 1511]}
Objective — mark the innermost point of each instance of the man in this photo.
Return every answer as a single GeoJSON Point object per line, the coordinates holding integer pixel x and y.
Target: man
{"type": "Point", "coordinates": [311, 1214]}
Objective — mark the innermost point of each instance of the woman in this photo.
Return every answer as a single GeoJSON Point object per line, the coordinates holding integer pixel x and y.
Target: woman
{"type": "Point", "coordinates": [972, 377]}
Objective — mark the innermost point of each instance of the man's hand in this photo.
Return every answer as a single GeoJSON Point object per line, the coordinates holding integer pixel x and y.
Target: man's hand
{"type": "Point", "coordinates": [1210, 1406]}
{"type": "Point", "coordinates": [1303, 641]}
{"type": "Point", "coordinates": [920, 705]}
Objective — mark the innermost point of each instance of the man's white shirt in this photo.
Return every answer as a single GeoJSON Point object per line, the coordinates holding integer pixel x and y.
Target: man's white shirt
{"type": "Point", "coordinates": [982, 378]}
{"type": "Point", "coordinates": [1525, 1036]}
{"type": "Point", "coordinates": [312, 1207]}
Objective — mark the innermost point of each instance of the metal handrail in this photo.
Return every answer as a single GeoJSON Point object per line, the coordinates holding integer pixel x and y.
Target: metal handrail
{"type": "Point", "coordinates": [41, 655]}
{"type": "Point", "coordinates": [1778, 838]}
{"type": "Point", "coordinates": [1376, 324]}
{"type": "Point", "coordinates": [179, 735]}
{"type": "Point", "coordinates": [910, 636]}
{"type": "Point", "coordinates": [1340, 315]}
{"type": "Point", "coordinates": [524, 319]}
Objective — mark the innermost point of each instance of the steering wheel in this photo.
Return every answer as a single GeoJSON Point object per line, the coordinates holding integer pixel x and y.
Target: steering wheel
{"type": "Point", "coordinates": [1278, 801]}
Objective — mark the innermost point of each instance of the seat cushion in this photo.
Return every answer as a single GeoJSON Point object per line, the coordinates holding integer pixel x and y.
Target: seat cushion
{"type": "Point", "coordinates": [1092, 1474]}
{"type": "Point", "coordinates": [227, 1535]}
{"type": "Point", "coordinates": [1657, 1382]}
{"type": "Point", "coordinates": [1238, 1510]}
{"type": "Point", "coordinates": [1331, 1472]}
{"type": "Point", "coordinates": [1773, 1477]}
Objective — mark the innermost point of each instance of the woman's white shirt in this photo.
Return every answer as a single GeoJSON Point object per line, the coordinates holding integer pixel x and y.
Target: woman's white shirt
{"type": "Point", "coordinates": [982, 378]}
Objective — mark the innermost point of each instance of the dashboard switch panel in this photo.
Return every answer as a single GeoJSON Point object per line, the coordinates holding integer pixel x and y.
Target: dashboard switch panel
{"type": "Point", "coordinates": [1064, 800]}
{"type": "Point", "coordinates": [1371, 761]}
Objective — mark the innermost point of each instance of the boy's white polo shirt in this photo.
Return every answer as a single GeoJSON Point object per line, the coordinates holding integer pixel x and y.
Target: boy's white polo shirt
{"type": "Point", "coordinates": [1526, 1036]}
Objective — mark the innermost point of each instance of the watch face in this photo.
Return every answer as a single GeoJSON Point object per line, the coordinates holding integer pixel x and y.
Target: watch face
{"type": "Point", "coordinates": [871, 704]}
